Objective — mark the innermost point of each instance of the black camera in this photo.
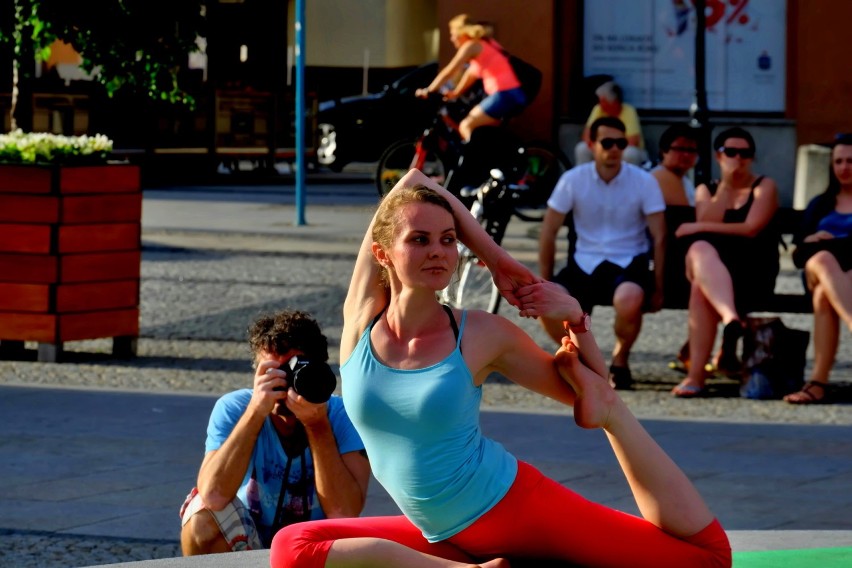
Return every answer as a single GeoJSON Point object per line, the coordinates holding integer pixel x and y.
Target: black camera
{"type": "Point", "coordinates": [315, 381]}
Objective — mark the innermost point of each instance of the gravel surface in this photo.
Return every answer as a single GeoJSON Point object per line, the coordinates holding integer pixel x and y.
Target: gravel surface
{"type": "Point", "coordinates": [197, 302]}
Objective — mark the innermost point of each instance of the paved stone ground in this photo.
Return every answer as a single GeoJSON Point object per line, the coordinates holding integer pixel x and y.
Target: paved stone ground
{"type": "Point", "coordinates": [196, 302]}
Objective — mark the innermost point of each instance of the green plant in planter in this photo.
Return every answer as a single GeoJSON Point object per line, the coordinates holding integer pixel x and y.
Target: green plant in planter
{"type": "Point", "coordinates": [18, 147]}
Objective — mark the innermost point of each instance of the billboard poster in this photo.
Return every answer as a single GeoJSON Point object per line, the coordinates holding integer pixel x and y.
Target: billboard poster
{"type": "Point", "coordinates": [648, 46]}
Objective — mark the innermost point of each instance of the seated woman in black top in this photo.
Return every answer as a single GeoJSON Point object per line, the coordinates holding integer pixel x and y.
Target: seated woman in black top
{"type": "Point", "coordinates": [824, 250]}
{"type": "Point", "coordinates": [732, 248]}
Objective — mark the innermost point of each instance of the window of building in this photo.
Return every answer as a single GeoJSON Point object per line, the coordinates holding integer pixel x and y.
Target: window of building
{"type": "Point", "coordinates": [648, 46]}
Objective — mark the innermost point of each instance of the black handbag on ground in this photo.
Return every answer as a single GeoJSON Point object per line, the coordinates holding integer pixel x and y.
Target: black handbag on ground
{"type": "Point", "coordinates": [774, 358]}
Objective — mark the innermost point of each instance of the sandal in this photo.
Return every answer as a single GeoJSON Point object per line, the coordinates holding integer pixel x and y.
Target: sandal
{"type": "Point", "coordinates": [806, 395]}
{"type": "Point", "coordinates": [689, 391]}
{"type": "Point", "coordinates": [620, 378]}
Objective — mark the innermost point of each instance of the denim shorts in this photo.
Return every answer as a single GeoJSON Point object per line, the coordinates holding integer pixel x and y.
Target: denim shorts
{"type": "Point", "coordinates": [503, 104]}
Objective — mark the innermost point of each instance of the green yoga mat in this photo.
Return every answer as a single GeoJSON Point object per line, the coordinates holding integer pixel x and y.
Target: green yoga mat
{"type": "Point", "coordinates": [800, 558]}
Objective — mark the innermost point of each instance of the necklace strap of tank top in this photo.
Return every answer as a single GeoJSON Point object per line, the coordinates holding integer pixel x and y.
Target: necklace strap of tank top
{"type": "Point", "coordinates": [453, 323]}
{"type": "Point", "coordinates": [378, 316]}
{"type": "Point", "coordinates": [450, 315]}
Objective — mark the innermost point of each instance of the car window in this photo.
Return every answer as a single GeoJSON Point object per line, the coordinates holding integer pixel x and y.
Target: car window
{"type": "Point", "coordinates": [419, 77]}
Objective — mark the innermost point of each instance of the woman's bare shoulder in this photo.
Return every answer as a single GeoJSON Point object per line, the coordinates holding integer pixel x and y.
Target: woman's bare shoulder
{"type": "Point", "coordinates": [470, 49]}
{"type": "Point", "coordinates": [767, 183]}
{"type": "Point", "coordinates": [491, 328]}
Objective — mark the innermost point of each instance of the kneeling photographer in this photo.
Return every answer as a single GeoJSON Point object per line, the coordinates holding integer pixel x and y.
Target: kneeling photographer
{"type": "Point", "coordinates": [279, 453]}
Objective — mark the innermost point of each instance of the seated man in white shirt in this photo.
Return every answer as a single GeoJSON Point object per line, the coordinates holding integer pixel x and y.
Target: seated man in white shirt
{"type": "Point", "coordinates": [615, 205]}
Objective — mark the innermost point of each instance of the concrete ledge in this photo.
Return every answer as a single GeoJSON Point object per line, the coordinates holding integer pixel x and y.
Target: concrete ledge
{"type": "Point", "coordinates": [740, 541]}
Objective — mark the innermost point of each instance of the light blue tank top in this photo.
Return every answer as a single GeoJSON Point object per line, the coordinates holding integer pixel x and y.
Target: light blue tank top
{"type": "Point", "coordinates": [421, 431]}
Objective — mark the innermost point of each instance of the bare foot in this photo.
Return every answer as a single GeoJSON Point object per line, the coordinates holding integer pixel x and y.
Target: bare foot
{"type": "Point", "coordinates": [595, 398]}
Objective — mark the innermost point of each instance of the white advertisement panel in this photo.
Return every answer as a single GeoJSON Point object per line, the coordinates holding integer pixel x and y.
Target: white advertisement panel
{"type": "Point", "coordinates": [649, 47]}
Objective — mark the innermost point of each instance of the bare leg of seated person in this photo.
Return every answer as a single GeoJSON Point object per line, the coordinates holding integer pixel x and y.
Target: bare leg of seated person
{"type": "Point", "coordinates": [711, 300]}
{"type": "Point", "coordinates": [826, 341]}
{"type": "Point", "coordinates": [823, 269]}
{"type": "Point", "coordinates": [635, 155]}
{"type": "Point", "coordinates": [627, 304]}
{"type": "Point", "coordinates": [582, 153]}
{"type": "Point", "coordinates": [201, 535]}
{"type": "Point", "coordinates": [831, 290]}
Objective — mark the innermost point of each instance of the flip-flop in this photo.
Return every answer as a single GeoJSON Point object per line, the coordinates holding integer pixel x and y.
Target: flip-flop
{"type": "Point", "coordinates": [688, 391]}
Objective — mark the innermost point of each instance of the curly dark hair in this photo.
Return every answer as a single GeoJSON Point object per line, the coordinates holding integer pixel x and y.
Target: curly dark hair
{"type": "Point", "coordinates": [285, 330]}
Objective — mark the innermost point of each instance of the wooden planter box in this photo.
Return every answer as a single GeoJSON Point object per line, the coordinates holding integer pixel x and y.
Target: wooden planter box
{"type": "Point", "coordinates": [70, 255]}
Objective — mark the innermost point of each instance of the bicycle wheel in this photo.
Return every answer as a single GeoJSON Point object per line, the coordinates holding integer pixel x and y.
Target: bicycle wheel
{"type": "Point", "coordinates": [474, 289]}
{"type": "Point", "coordinates": [400, 157]}
{"type": "Point", "coordinates": [542, 167]}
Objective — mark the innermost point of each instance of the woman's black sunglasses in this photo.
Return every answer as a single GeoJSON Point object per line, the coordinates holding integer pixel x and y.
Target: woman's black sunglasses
{"type": "Point", "coordinates": [608, 143]}
{"type": "Point", "coordinates": [744, 153]}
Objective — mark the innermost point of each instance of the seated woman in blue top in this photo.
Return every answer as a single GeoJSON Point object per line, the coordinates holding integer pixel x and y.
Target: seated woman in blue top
{"type": "Point", "coordinates": [824, 250]}
{"type": "Point", "coordinates": [412, 375]}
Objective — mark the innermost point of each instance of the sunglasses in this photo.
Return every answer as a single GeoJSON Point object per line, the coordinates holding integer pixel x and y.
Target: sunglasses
{"type": "Point", "coordinates": [744, 153]}
{"type": "Point", "coordinates": [608, 143]}
{"type": "Point", "coordinates": [684, 149]}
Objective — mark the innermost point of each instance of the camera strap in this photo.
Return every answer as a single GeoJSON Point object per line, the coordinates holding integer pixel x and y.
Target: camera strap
{"type": "Point", "coordinates": [280, 512]}
{"type": "Point", "coordinates": [295, 446]}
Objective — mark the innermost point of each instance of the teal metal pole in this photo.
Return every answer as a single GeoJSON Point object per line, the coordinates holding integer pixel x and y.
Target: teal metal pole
{"type": "Point", "coordinates": [300, 112]}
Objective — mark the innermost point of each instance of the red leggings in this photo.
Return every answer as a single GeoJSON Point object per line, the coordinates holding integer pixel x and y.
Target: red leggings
{"type": "Point", "coordinates": [538, 518]}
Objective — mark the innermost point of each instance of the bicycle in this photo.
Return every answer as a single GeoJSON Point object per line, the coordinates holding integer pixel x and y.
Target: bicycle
{"type": "Point", "coordinates": [435, 152]}
{"type": "Point", "coordinates": [495, 202]}
{"type": "Point", "coordinates": [438, 150]}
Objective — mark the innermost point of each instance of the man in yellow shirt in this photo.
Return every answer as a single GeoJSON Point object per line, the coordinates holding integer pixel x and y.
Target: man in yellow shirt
{"type": "Point", "coordinates": [611, 103]}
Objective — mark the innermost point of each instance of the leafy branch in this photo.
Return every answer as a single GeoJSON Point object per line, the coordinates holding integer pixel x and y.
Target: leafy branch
{"type": "Point", "coordinates": [135, 46]}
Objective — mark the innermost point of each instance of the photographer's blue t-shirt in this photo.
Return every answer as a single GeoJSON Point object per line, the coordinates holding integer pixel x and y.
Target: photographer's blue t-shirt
{"type": "Point", "coordinates": [270, 463]}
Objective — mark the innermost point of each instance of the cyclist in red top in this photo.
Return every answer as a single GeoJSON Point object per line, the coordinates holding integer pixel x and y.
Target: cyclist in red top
{"type": "Point", "coordinates": [485, 60]}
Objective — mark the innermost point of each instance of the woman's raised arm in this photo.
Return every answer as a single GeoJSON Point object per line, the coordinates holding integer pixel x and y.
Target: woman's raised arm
{"type": "Point", "coordinates": [509, 274]}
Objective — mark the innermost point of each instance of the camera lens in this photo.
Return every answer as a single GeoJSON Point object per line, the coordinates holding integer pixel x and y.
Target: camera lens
{"type": "Point", "coordinates": [313, 381]}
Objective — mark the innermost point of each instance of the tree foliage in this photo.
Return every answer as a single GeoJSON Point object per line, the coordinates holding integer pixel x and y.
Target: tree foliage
{"type": "Point", "coordinates": [134, 46]}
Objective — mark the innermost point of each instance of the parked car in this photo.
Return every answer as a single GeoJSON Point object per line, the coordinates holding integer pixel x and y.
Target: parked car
{"type": "Point", "coordinates": [359, 128]}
